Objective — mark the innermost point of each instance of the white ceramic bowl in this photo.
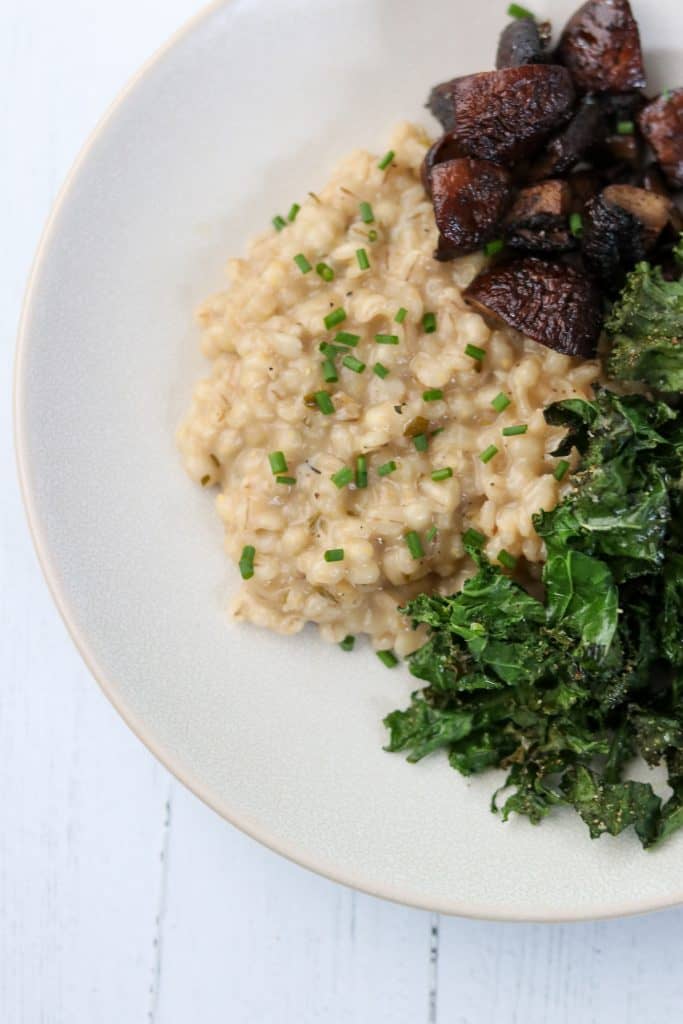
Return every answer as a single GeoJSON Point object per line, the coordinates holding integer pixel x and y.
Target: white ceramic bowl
{"type": "Point", "coordinates": [247, 109]}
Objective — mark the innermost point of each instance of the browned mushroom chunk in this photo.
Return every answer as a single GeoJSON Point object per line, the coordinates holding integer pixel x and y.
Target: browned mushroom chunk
{"type": "Point", "coordinates": [445, 148]}
{"type": "Point", "coordinates": [653, 181]}
{"type": "Point", "coordinates": [583, 185]}
{"type": "Point", "coordinates": [661, 122]}
{"type": "Point", "coordinates": [569, 145]}
{"type": "Point", "coordinates": [620, 225]}
{"type": "Point", "coordinates": [504, 115]}
{"type": "Point", "coordinates": [537, 221]}
{"type": "Point", "coordinates": [469, 197]}
{"type": "Point", "coordinates": [520, 43]}
{"type": "Point", "coordinates": [600, 45]}
{"type": "Point", "coordinates": [622, 149]}
{"type": "Point", "coordinates": [550, 302]}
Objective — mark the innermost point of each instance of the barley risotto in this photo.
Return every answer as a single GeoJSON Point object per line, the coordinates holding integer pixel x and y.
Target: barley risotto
{"type": "Point", "coordinates": [353, 422]}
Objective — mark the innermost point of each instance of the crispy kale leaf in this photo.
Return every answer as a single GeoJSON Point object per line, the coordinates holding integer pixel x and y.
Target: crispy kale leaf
{"type": "Point", "coordinates": [564, 692]}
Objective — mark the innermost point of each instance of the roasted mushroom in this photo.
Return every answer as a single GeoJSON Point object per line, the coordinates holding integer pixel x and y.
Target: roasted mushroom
{"type": "Point", "coordinates": [567, 147]}
{"type": "Point", "coordinates": [445, 148]}
{"type": "Point", "coordinates": [538, 221]}
{"type": "Point", "coordinates": [550, 302]}
{"type": "Point", "coordinates": [469, 197]}
{"type": "Point", "coordinates": [504, 115]}
{"type": "Point", "coordinates": [661, 122]}
{"type": "Point", "coordinates": [653, 181]}
{"type": "Point", "coordinates": [600, 45]}
{"type": "Point", "coordinates": [620, 225]}
{"type": "Point", "coordinates": [520, 43]}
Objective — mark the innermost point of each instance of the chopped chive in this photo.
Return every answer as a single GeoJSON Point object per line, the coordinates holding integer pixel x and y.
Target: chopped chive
{"type": "Point", "coordinates": [506, 559]}
{"type": "Point", "coordinates": [348, 643]}
{"type": "Point", "coordinates": [386, 339]}
{"type": "Point", "coordinates": [501, 402]}
{"type": "Point", "coordinates": [561, 468]}
{"type": "Point", "coordinates": [442, 474]}
{"type": "Point", "coordinates": [473, 538]}
{"type": "Point", "coordinates": [324, 402]}
{"type": "Point", "coordinates": [494, 247]}
{"type": "Point", "coordinates": [421, 442]}
{"type": "Point", "coordinates": [279, 223]}
{"type": "Point", "coordinates": [278, 463]}
{"type": "Point", "coordinates": [431, 534]}
{"type": "Point", "coordinates": [324, 271]}
{"type": "Point", "coordinates": [386, 468]}
{"type": "Point", "coordinates": [289, 480]}
{"type": "Point", "coordinates": [329, 372]}
{"type": "Point", "coordinates": [344, 338]}
{"type": "Point", "coordinates": [331, 351]}
{"type": "Point", "coordinates": [576, 224]}
{"type": "Point", "coordinates": [363, 261]}
{"type": "Point", "coordinates": [334, 555]}
{"type": "Point", "coordinates": [337, 316]}
{"type": "Point", "coordinates": [342, 477]}
{"type": "Point", "coordinates": [351, 363]}
{"type": "Point", "coordinates": [246, 562]}
{"type": "Point", "coordinates": [625, 127]}
{"type": "Point", "coordinates": [474, 352]}
{"type": "Point", "coordinates": [387, 658]}
{"type": "Point", "coordinates": [372, 235]}
{"type": "Point", "coordinates": [401, 314]}
{"type": "Point", "coordinates": [666, 95]}
{"type": "Point", "coordinates": [380, 370]}
{"type": "Point", "coordinates": [488, 453]}
{"type": "Point", "coordinates": [429, 323]}
{"type": "Point", "coordinates": [517, 11]}
{"type": "Point", "coordinates": [439, 430]}
{"type": "Point", "coordinates": [432, 395]}
{"type": "Point", "coordinates": [520, 428]}
{"type": "Point", "coordinates": [414, 543]}
{"type": "Point", "coordinates": [293, 210]}
{"type": "Point", "coordinates": [386, 160]}
{"type": "Point", "coordinates": [366, 214]}
{"type": "Point", "coordinates": [361, 472]}
{"type": "Point", "coordinates": [302, 263]}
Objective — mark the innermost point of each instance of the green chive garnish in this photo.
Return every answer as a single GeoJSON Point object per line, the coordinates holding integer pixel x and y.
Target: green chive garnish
{"type": "Point", "coordinates": [501, 402]}
{"type": "Point", "coordinates": [347, 644]}
{"type": "Point", "coordinates": [421, 442]}
{"type": "Point", "coordinates": [289, 480]}
{"type": "Point", "coordinates": [361, 472]}
{"type": "Point", "coordinates": [386, 160]}
{"type": "Point", "coordinates": [278, 463]}
{"type": "Point", "coordinates": [517, 11]}
{"type": "Point", "coordinates": [414, 543]}
{"type": "Point", "coordinates": [293, 210]}
{"type": "Point", "coordinates": [363, 261]}
{"type": "Point", "coordinates": [344, 338]}
{"type": "Point", "coordinates": [324, 402]}
{"type": "Point", "coordinates": [334, 555]}
{"type": "Point", "coordinates": [488, 453]}
{"type": "Point", "coordinates": [372, 235]}
{"type": "Point", "coordinates": [324, 271]}
{"type": "Point", "coordinates": [431, 534]}
{"type": "Point", "coordinates": [561, 469]}
{"type": "Point", "coordinates": [473, 538]}
{"type": "Point", "coordinates": [351, 363]}
{"type": "Point", "coordinates": [442, 474]}
{"type": "Point", "coordinates": [337, 316]}
{"type": "Point", "coordinates": [429, 323]}
{"type": "Point", "coordinates": [666, 95]}
{"type": "Point", "coordinates": [401, 315]}
{"type": "Point", "coordinates": [520, 428]}
{"type": "Point", "coordinates": [432, 395]}
{"type": "Point", "coordinates": [387, 658]}
{"type": "Point", "coordinates": [576, 224]}
{"type": "Point", "coordinates": [386, 468]}
{"type": "Point", "coordinates": [380, 370]}
{"type": "Point", "coordinates": [329, 372]}
{"type": "Point", "coordinates": [386, 339]}
{"type": "Point", "coordinates": [342, 477]}
{"type": "Point", "coordinates": [279, 223]}
{"type": "Point", "coordinates": [625, 127]}
{"type": "Point", "coordinates": [506, 559]}
{"type": "Point", "coordinates": [366, 214]}
{"type": "Point", "coordinates": [494, 247]}
{"type": "Point", "coordinates": [474, 352]}
{"type": "Point", "coordinates": [246, 562]}
{"type": "Point", "coordinates": [331, 351]}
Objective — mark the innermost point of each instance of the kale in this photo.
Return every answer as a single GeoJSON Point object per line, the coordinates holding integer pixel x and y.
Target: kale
{"type": "Point", "coordinates": [564, 692]}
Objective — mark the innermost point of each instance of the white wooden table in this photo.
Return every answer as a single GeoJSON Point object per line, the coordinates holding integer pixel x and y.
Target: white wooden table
{"type": "Point", "coordinates": [123, 900]}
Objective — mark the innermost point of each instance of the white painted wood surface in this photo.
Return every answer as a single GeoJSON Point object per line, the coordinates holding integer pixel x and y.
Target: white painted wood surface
{"type": "Point", "coordinates": [122, 899]}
